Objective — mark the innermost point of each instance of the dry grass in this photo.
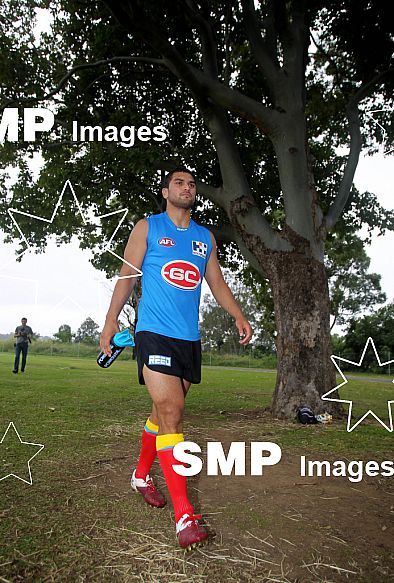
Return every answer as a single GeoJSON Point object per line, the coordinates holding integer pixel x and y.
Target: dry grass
{"type": "Point", "coordinates": [163, 562]}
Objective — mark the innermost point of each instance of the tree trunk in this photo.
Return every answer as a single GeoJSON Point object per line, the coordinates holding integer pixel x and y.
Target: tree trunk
{"type": "Point", "coordinates": [302, 309]}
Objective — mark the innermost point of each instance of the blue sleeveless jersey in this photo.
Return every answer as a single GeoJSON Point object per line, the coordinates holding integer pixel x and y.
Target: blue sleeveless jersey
{"type": "Point", "coordinates": [173, 269]}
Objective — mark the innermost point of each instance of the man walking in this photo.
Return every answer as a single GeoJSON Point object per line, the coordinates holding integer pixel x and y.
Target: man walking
{"type": "Point", "coordinates": [174, 254]}
{"type": "Point", "coordinates": [23, 335]}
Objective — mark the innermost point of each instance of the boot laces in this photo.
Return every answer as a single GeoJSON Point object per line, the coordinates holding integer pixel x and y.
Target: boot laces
{"type": "Point", "coordinates": [150, 486]}
{"type": "Point", "coordinates": [191, 519]}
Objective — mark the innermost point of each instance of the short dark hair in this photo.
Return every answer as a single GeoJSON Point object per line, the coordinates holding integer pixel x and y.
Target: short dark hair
{"type": "Point", "coordinates": [167, 178]}
{"type": "Point", "coordinates": [24, 319]}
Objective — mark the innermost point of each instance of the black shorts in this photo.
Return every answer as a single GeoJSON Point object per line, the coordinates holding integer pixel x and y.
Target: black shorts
{"type": "Point", "coordinates": [179, 358]}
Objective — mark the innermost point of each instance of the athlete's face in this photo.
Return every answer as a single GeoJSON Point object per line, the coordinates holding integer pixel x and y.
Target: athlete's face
{"type": "Point", "coordinates": [181, 191]}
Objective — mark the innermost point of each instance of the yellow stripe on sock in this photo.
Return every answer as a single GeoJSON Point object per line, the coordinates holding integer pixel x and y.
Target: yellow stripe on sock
{"type": "Point", "coordinates": [151, 426]}
{"type": "Point", "coordinates": [168, 440]}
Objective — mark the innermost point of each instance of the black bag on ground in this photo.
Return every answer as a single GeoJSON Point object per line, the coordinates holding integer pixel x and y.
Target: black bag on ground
{"type": "Point", "coordinates": [306, 416]}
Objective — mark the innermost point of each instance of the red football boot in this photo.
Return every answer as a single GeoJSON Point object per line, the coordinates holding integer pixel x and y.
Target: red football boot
{"type": "Point", "coordinates": [149, 492]}
{"type": "Point", "coordinates": [190, 533]}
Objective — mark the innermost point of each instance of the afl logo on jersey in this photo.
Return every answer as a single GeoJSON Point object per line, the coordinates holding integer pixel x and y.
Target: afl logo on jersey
{"type": "Point", "coordinates": [166, 242]}
{"type": "Point", "coordinates": [181, 274]}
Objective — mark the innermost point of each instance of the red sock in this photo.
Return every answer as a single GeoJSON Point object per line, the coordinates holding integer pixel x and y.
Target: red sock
{"type": "Point", "coordinates": [176, 484]}
{"type": "Point", "coordinates": [148, 450]}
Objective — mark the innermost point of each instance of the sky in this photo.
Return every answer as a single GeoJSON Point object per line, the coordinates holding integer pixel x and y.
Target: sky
{"type": "Point", "coordinates": [61, 286]}
{"type": "Point", "coordinates": [57, 287]}
{"type": "Point", "coordinates": [376, 174]}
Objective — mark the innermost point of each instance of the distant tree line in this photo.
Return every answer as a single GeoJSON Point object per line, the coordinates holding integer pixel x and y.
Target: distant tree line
{"type": "Point", "coordinates": [87, 333]}
{"type": "Point", "coordinates": [219, 334]}
{"type": "Point", "coordinates": [380, 327]}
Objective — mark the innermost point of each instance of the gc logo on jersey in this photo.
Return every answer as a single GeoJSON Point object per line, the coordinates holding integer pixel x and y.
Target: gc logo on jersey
{"type": "Point", "coordinates": [166, 242]}
{"type": "Point", "coordinates": [199, 248]}
{"type": "Point", "coordinates": [181, 274]}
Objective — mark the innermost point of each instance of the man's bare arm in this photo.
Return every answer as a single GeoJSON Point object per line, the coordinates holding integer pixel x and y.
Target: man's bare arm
{"type": "Point", "coordinates": [224, 297]}
{"type": "Point", "coordinates": [134, 254]}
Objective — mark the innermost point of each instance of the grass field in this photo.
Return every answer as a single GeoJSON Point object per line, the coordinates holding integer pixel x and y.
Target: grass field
{"type": "Point", "coordinates": [247, 357]}
{"type": "Point", "coordinates": [80, 522]}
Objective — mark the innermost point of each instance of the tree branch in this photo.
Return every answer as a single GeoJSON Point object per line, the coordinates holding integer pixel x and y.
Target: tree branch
{"type": "Point", "coordinates": [279, 11]}
{"type": "Point", "coordinates": [342, 196]}
{"type": "Point", "coordinates": [353, 115]}
{"type": "Point", "coordinates": [227, 234]}
{"type": "Point", "coordinates": [266, 119]}
{"type": "Point", "coordinates": [329, 59]}
{"type": "Point", "coordinates": [270, 33]}
{"type": "Point", "coordinates": [199, 82]}
{"type": "Point", "coordinates": [333, 324]}
{"type": "Point", "coordinates": [103, 62]}
{"type": "Point", "coordinates": [235, 184]}
{"type": "Point", "coordinates": [365, 90]}
{"type": "Point", "coordinates": [151, 195]}
{"type": "Point", "coordinates": [236, 190]}
{"type": "Point", "coordinates": [295, 51]}
{"type": "Point", "coordinates": [73, 70]}
{"type": "Point", "coordinates": [208, 45]}
{"type": "Point", "coordinates": [224, 233]}
{"type": "Point", "coordinates": [210, 192]}
{"type": "Point", "coordinates": [227, 45]}
{"type": "Point", "coordinates": [268, 66]}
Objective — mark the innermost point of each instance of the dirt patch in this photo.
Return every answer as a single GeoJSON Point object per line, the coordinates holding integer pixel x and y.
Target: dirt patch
{"type": "Point", "coordinates": [276, 527]}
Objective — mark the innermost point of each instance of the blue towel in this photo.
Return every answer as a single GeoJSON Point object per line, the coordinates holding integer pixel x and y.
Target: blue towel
{"type": "Point", "coordinates": [123, 339]}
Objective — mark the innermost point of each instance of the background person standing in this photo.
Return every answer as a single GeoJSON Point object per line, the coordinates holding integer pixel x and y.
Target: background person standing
{"type": "Point", "coordinates": [23, 335]}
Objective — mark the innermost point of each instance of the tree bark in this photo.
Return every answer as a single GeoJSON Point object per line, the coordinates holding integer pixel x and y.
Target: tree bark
{"type": "Point", "coordinates": [302, 311]}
